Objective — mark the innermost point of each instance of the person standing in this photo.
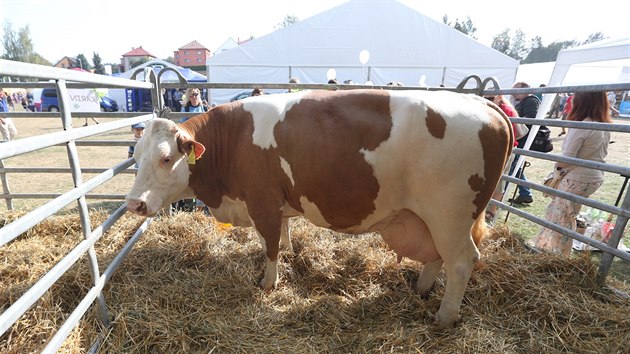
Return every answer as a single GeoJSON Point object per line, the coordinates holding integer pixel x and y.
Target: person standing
{"type": "Point", "coordinates": [510, 111]}
{"type": "Point", "coordinates": [7, 127]}
{"type": "Point", "coordinates": [137, 130]}
{"type": "Point", "coordinates": [565, 112]}
{"type": "Point", "coordinates": [584, 144]}
{"type": "Point", "coordinates": [193, 103]}
{"type": "Point", "coordinates": [177, 100]}
{"type": "Point", "coordinates": [526, 106]}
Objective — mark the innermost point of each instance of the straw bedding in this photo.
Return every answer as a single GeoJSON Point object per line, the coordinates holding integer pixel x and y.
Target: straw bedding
{"type": "Point", "coordinates": [190, 285]}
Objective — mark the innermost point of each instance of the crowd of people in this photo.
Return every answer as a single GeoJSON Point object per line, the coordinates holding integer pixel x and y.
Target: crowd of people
{"type": "Point", "coordinates": [7, 127]}
{"type": "Point", "coordinates": [586, 144]}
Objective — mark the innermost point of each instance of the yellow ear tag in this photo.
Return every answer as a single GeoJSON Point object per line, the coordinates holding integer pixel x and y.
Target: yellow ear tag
{"type": "Point", "coordinates": [191, 156]}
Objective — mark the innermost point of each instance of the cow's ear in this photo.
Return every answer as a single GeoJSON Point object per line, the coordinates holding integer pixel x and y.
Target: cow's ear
{"type": "Point", "coordinates": [191, 145]}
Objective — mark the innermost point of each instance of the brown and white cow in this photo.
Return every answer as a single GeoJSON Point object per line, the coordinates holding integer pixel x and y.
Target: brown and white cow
{"type": "Point", "coordinates": [419, 167]}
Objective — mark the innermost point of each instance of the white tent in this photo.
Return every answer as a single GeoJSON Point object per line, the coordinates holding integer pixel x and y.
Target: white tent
{"type": "Point", "coordinates": [403, 45]}
{"type": "Point", "coordinates": [534, 74]}
{"type": "Point", "coordinates": [601, 62]}
{"type": "Point", "coordinates": [597, 62]}
{"type": "Point", "coordinates": [168, 76]}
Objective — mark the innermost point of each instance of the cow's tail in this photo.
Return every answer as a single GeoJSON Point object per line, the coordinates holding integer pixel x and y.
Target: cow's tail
{"type": "Point", "coordinates": [479, 229]}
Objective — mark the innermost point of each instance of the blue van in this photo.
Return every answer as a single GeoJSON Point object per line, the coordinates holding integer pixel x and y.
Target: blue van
{"type": "Point", "coordinates": [50, 102]}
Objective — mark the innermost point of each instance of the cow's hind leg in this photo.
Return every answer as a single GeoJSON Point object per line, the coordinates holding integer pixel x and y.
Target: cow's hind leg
{"type": "Point", "coordinates": [285, 236]}
{"type": "Point", "coordinates": [426, 280]}
{"type": "Point", "coordinates": [456, 247]}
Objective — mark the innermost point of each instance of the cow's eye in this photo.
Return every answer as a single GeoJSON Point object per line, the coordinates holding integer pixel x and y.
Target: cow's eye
{"type": "Point", "coordinates": [166, 160]}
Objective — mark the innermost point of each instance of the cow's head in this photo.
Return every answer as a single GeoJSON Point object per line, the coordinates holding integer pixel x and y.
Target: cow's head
{"type": "Point", "coordinates": [163, 155]}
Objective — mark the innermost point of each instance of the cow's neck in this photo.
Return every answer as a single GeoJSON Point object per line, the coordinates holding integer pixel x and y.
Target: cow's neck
{"type": "Point", "coordinates": [207, 178]}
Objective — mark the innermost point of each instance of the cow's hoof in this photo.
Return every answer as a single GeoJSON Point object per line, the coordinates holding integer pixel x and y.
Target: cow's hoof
{"type": "Point", "coordinates": [446, 322]}
{"type": "Point", "coordinates": [268, 286]}
{"type": "Point", "coordinates": [425, 293]}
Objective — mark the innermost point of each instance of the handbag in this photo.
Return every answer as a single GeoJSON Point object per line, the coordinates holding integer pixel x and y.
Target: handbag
{"type": "Point", "coordinates": [542, 141]}
{"type": "Point", "coordinates": [553, 179]}
{"type": "Point", "coordinates": [520, 130]}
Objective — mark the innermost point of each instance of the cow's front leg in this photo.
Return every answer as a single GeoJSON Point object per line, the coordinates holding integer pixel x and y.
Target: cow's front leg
{"type": "Point", "coordinates": [268, 227]}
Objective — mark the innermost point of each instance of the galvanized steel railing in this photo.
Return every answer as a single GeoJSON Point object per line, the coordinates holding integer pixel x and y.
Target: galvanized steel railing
{"type": "Point", "coordinates": [70, 138]}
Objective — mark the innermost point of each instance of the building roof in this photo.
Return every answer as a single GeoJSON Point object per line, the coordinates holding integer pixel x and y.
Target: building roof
{"type": "Point", "coordinates": [138, 52]}
{"type": "Point", "coordinates": [72, 61]}
{"type": "Point", "coordinates": [193, 45]}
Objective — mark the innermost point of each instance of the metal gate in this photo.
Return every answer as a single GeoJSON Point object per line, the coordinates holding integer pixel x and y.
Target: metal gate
{"type": "Point", "coordinates": [70, 137]}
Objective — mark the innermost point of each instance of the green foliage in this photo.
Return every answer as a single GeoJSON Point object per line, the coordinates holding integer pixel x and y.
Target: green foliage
{"type": "Point", "coordinates": [98, 66]}
{"type": "Point", "coordinates": [516, 46]}
{"type": "Point", "coordinates": [18, 46]}
{"type": "Point", "coordinates": [115, 67]}
{"type": "Point", "coordinates": [139, 61]}
{"type": "Point", "coordinates": [466, 27]}
{"type": "Point", "coordinates": [287, 21]}
{"type": "Point", "coordinates": [594, 37]}
{"type": "Point", "coordinates": [83, 63]}
{"type": "Point", "coordinates": [545, 54]}
{"type": "Point", "coordinates": [501, 42]}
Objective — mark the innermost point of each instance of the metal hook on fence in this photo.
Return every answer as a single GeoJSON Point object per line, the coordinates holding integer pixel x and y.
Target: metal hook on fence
{"type": "Point", "coordinates": [465, 80]}
{"type": "Point", "coordinates": [489, 80]}
{"type": "Point", "coordinates": [150, 76]}
{"type": "Point", "coordinates": [180, 77]}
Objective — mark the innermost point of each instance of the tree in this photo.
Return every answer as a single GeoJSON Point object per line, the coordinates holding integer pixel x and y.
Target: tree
{"type": "Point", "coordinates": [535, 52]}
{"type": "Point", "coordinates": [139, 61]}
{"type": "Point", "coordinates": [18, 46]}
{"type": "Point", "coordinates": [98, 66]}
{"type": "Point", "coordinates": [170, 59]}
{"type": "Point", "coordinates": [543, 54]}
{"type": "Point", "coordinates": [466, 27]}
{"type": "Point", "coordinates": [501, 42]}
{"type": "Point", "coordinates": [115, 67]}
{"type": "Point", "coordinates": [512, 46]}
{"type": "Point", "coordinates": [518, 49]}
{"type": "Point", "coordinates": [83, 63]}
{"type": "Point", "coordinates": [287, 21]}
{"type": "Point", "coordinates": [597, 36]}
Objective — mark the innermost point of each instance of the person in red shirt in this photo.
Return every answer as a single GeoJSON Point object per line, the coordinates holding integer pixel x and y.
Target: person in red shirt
{"type": "Point", "coordinates": [566, 111]}
{"type": "Point", "coordinates": [510, 111]}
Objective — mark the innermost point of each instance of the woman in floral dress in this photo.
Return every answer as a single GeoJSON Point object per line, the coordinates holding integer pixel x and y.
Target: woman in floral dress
{"type": "Point", "coordinates": [584, 144]}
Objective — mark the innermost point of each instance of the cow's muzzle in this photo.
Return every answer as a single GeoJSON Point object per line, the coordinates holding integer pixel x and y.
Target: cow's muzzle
{"type": "Point", "coordinates": [137, 207]}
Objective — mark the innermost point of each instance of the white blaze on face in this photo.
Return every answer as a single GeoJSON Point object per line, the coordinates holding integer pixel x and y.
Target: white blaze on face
{"type": "Point", "coordinates": [163, 171]}
{"type": "Point", "coordinates": [267, 111]}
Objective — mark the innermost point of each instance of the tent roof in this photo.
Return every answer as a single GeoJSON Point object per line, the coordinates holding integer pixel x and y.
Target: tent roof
{"type": "Point", "coordinates": [158, 65]}
{"type": "Point", "coordinates": [395, 35]}
{"type": "Point", "coordinates": [607, 53]}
